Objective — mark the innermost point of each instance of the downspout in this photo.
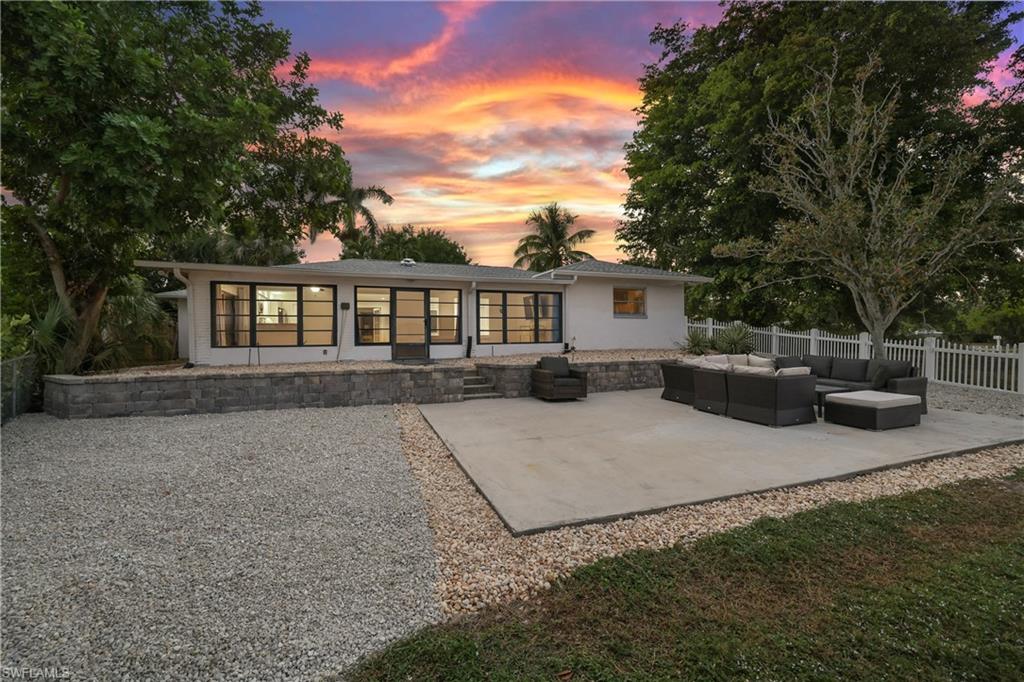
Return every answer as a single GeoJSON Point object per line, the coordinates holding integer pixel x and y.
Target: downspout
{"type": "Point", "coordinates": [565, 316]}
{"type": "Point", "coordinates": [466, 315]}
{"type": "Point", "coordinates": [191, 314]}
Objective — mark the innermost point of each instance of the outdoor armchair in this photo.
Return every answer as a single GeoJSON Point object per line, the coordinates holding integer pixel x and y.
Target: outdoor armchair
{"type": "Point", "coordinates": [554, 379]}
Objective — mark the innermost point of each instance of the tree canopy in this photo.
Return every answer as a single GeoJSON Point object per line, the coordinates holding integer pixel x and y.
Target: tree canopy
{"type": "Point", "coordinates": [130, 127]}
{"type": "Point", "coordinates": [425, 245]}
{"type": "Point", "coordinates": [552, 243]}
{"type": "Point", "coordinates": [872, 214]}
{"type": "Point", "coordinates": [706, 111]}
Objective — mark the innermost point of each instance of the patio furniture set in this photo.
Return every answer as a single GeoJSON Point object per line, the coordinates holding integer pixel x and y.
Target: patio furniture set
{"type": "Point", "coordinates": [868, 394]}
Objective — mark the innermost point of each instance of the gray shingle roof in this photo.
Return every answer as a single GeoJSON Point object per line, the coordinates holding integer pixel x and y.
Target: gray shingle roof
{"type": "Point", "coordinates": [607, 268]}
{"type": "Point", "coordinates": [360, 266]}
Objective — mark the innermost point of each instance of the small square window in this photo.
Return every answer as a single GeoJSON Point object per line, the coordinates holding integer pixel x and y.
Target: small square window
{"type": "Point", "coordinates": [629, 302]}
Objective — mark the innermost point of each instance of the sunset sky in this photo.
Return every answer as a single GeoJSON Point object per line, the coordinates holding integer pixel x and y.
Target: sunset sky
{"type": "Point", "coordinates": [471, 115]}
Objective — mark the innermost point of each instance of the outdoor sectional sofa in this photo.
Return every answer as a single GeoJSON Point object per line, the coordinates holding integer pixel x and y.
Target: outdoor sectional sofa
{"type": "Point", "coordinates": [889, 376]}
{"type": "Point", "coordinates": [764, 399]}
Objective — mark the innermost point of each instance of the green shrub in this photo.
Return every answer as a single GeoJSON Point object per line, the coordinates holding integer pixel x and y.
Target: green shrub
{"type": "Point", "coordinates": [736, 339]}
{"type": "Point", "coordinates": [699, 343]}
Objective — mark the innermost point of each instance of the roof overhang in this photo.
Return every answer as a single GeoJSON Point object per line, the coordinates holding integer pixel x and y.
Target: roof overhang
{"type": "Point", "coordinates": [277, 271]}
{"type": "Point", "coordinates": [680, 278]}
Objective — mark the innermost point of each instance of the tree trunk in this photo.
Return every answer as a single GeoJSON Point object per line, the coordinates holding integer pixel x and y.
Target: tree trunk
{"type": "Point", "coordinates": [86, 324]}
{"type": "Point", "coordinates": [877, 332]}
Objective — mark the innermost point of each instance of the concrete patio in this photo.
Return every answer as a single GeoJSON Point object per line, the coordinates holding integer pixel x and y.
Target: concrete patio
{"type": "Point", "coordinates": [545, 465]}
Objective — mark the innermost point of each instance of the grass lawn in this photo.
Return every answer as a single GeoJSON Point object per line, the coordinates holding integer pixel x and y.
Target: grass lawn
{"type": "Point", "coordinates": [925, 586]}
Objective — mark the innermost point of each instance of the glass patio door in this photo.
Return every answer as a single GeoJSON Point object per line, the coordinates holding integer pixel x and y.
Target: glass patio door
{"type": "Point", "coordinates": [410, 341]}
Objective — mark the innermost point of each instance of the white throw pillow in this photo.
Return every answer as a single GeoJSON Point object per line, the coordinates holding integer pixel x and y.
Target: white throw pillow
{"type": "Point", "coordinates": [691, 362]}
{"type": "Point", "coordinates": [760, 371]}
{"type": "Point", "coordinates": [717, 359]}
{"type": "Point", "coordinates": [718, 366]}
{"type": "Point", "coordinates": [738, 360]}
{"type": "Point", "coordinates": [793, 372]}
{"type": "Point", "coordinates": [758, 361]}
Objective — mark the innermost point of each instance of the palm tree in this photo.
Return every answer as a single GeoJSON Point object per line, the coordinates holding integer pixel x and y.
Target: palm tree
{"type": "Point", "coordinates": [353, 206]}
{"type": "Point", "coordinates": [551, 246]}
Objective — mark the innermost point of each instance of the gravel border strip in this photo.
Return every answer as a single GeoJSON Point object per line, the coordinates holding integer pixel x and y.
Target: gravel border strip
{"type": "Point", "coordinates": [482, 564]}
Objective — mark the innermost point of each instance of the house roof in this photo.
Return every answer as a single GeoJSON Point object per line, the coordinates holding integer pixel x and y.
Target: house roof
{"type": "Point", "coordinates": [361, 266]}
{"type": "Point", "coordinates": [591, 266]}
{"type": "Point", "coordinates": [394, 269]}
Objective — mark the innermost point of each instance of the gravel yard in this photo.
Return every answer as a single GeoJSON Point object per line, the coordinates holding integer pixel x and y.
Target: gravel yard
{"type": "Point", "coordinates": [978, 400]}
{"type": "Point", "coordinates": [481, 563]}
{"type": "Point", "coordinates": [259, 545]}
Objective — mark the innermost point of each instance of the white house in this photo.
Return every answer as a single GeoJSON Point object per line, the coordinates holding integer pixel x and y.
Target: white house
{"type": "Point", "coordinates": [381, 310]}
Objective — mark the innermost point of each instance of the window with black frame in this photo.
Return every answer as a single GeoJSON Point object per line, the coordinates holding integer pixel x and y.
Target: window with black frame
{"type": "Point", "coordinates": [445, 307]}
{"type": "Point", "coordinates": [267, 315]}
{"type": "Point", "coordinates": [373, 316]}
{"type": "Point", "coordinates": [519, 317]}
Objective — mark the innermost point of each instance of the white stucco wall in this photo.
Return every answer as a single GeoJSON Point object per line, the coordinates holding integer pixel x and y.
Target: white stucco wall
{"type": "Point", "coordinates": [587, 316]}
{"type": "Point", "coordinates": [205, 354]}
{"type": "Point", "coordinates": [591, 319]}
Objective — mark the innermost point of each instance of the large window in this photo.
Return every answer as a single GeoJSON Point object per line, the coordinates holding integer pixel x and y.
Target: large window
{"type": "Point", "coordinates": [629, 302]}
{"type": "Point", "coordinates": [445, 316]}
{"type": "Point", "coordinates": [519, 317]}
{"type": "Point", "coordinates": [272, 315]}
{"type": "Point", "coordinates": [383, 312]}
{"type": "Point", "coordinates": [373, 316]}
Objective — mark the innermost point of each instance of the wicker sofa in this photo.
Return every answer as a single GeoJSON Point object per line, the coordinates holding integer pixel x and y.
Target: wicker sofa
{"type": "Point", "coordinates": [890, 376]}
{"type": "Point", "coordinates": [678, 382]}
{"type": "Point", "coordinates": [554, 379]}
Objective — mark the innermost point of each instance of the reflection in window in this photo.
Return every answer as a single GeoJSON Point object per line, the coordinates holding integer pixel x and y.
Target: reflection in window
{"type": "Point", "coordinates": [444, 315]}
{"type": "Point", "coordinates": [629, 302]}
{"type": "Point", "coordinates": [231, 315]}
{"type": "Point", "coordinates": [269, 315]}
{"type": "Point", "coordinates": [277, 316]}
{"type": "Point", "coordinates": [373, 315]}
{"type": "Point", "coordinates": [519, 317]}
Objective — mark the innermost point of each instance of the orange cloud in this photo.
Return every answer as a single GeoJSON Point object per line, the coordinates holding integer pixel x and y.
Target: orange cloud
{"type": "Point", "coordinates": [372, 71]}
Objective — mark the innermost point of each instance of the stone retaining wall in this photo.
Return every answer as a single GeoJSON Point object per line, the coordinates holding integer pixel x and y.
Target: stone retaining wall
{"type": "Point", "coordinates": [74, 397]}
{"type": "Point", "coordinates": [513, 381]}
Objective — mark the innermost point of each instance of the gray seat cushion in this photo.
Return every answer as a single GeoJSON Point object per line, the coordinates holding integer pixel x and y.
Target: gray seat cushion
{"type": "Point", "coordinates": [567, 381]}
{"type": "Point", "coordinates": [856, 385]}
{"type": "Point", "coordinates": [849, 370]}
{"type": "Point", "coordinates": [788, 361]}
{"type": "Point", "coordinates": [556, 365]}
{"type": "Point", "coordinates": [873, 399]}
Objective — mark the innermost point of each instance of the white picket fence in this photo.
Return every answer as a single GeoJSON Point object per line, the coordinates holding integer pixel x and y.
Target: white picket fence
{"type": "Point", "coordinates": [1000, 369]}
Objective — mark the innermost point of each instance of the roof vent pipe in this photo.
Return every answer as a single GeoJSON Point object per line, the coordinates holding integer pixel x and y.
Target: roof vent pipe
{"type": "Point", "coordinates": [408, 262]}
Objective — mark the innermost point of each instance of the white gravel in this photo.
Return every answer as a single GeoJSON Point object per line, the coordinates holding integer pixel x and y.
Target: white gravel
{"type": "Point", "coordinates": [258, 545]}
{"type": "Point", "coordinates": [482, 564]}
{"type": "Point", "coordinates": [977, 400]}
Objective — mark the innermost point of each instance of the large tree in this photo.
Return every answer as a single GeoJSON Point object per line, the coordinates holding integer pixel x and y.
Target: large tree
{"type": "Point", "coordinates": [127, 127]}
{"type": "Point", "coordinates": [553, 242]}
{"type": "Point", "coordinates": [425, 245]}
{"type": "Point", "coordinates": [706, 108]}
{"type": "Point", "coordinates": [874, 213]}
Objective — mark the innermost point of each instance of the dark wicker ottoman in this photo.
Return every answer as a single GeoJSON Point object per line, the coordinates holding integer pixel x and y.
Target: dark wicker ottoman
{"type": "Point", "coordinates": [873, 410]}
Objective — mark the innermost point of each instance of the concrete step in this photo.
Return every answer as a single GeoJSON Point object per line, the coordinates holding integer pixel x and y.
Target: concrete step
{"type": "Point", "coordinates": [480, 396]}
{"type": "Point", "coordinates": [477, 390]}
{"type": "Point", "coordinates": [476, 381]}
